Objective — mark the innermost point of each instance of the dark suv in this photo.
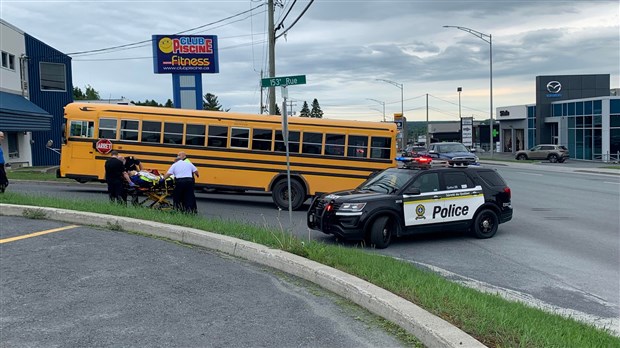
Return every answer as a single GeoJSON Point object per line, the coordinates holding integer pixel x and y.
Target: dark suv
{"type": "Point", "coordinates": [401, 201]}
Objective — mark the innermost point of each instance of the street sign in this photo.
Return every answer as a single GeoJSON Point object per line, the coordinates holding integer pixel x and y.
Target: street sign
{"type": "Point", "coordinates": [467, 131]}
{"type": "Point", "coordinates": [283, 81]}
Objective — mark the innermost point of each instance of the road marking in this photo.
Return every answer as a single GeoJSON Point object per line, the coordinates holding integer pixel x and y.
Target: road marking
{"type": "Point", "coordinates": [609, 182]}
{"type": "Point", "coordinates": [534, 174]}
{"type": "Point", "coordinates": [12, 239]}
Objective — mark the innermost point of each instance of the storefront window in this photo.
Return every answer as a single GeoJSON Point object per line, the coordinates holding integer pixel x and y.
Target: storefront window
{"type": "Point", "coordinates": [587, 108]}
{"type": "Point", "coordinates": [557, 109]}
{"type": "Point", "coordinates": [579, 108]}
{"type": "Point", "coordinates": [571, 109]}
{"type": "Point", "coordinates": [614, 106]}
{"type": "Point", "coordinates": [597, 107]}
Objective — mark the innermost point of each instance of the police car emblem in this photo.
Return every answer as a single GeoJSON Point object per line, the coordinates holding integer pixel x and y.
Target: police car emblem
{"type": "Point", "coordinates": [419, 210]}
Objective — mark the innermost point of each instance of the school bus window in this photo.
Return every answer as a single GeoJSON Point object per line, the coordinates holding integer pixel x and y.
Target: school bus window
{"type": "Point", "coordinates": [312, 143]}
{"type": "Point", "coordinates": [151, 131]}
{"type": "Point", "coordinates": [358, 146]}
{"type": "Point", "coordinates": [82, 129]}
{"type": "Point", "coordinates": [129, 130]}
{"type": "Point", "coordinates": [107, 128]}
{"type": "Point", "coordinates": [217, 136]}
{"type": "Point", "coordinates": [293, 142]}
{"type": "Point", "coordinates": [173, 133]}
{"type": "Point", "coordinates": [261, 139]}
{"type": "Point", "coordinates": [240, 137]}
{"type": "Point", "coordinates": [195, 135]}
{"type": "Point", "coordinates": [380, 147]}
{"type": "Point", "coordinates": [334, 144]}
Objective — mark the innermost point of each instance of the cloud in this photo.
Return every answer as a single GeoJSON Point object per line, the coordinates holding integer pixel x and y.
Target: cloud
{"type": "Point", "coordinates": [342, 47]}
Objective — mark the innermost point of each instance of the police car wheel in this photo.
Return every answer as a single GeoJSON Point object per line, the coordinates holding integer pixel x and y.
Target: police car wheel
{"type": "Point", "coordinates": [381, 232]}
{"type": "Point", "coordinates": [485, 224]}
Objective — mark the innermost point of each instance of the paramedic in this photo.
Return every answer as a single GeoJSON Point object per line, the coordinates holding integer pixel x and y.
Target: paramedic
{"type": "Point", "coordinates": [183, 195]}
{"type": "Point", "coordinates": [115, 176]}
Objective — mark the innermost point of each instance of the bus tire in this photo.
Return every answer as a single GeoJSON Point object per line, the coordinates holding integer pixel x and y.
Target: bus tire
{"type": "Point", "coordinates": [280, 194]}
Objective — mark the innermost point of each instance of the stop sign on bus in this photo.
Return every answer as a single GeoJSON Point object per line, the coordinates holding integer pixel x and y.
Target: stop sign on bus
{"type": "Point", "coordinates": [104, 146]}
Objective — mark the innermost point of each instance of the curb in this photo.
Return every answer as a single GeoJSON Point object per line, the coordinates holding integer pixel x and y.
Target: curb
{"type": "Point", "coordinates": [431, 330]}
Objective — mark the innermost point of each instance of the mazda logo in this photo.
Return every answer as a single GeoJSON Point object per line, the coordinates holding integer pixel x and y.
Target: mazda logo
{"type": "Point", "coordinates": [554, 87]}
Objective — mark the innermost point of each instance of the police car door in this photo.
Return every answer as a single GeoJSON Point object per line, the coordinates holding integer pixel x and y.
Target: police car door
{"type": "Point", "coordinates": [417, 208]}
{"type": "Point", "coordinates": [461, 198]}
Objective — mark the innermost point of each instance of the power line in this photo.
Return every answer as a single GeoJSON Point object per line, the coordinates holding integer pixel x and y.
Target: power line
{"type": "Point", "coordinates": [281, 24]}
{"type": "Point", "coordinates": [149, 40]}
{"type": "Point", "coordinates": [296, 20]}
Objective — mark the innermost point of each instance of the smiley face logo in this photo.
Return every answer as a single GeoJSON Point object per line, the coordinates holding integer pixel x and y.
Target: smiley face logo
{"type": "Point", "coordinates": [165, 45]}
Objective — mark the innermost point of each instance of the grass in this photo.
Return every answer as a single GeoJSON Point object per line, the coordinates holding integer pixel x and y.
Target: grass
{"type": "Point", "coordinates": [30, 173]}
{"type": "Point", "coordinates": [494, 321]}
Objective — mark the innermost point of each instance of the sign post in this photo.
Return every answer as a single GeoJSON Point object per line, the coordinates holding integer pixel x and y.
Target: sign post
{"type": "Point", "coordinates": [284, 81]}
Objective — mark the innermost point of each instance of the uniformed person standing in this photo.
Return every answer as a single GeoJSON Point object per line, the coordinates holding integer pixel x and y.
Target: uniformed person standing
{"type": "Point", "coordinates": [115, 177]}
{"type": "Point", "coordinates": [183, 195]}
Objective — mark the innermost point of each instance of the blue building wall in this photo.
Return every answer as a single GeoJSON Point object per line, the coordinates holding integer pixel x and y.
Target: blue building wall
{"type": "Point", "coordinates": [50, 101]}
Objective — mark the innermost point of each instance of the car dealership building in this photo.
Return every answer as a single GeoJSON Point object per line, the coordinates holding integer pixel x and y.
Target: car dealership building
{"type": "Point", "coordinates": [580, 112]}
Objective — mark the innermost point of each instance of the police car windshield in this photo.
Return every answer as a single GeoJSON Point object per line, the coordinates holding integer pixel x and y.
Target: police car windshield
{"type": "Point", "coordinates": [388, 181]}
{"type": "Point", "coordinates": [452, 148]}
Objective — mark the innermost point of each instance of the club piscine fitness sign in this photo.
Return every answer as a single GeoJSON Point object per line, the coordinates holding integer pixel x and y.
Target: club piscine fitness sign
{"type": "Point", "coordinates": [185, 54]}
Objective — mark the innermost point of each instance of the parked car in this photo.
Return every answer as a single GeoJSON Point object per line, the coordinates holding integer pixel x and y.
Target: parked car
{"type": "Point", "coordinates": [551, 152]}
{"type": "Point", "coordinates": [451, 151]}
{"type": "Point", "coordinates": [413, 150]}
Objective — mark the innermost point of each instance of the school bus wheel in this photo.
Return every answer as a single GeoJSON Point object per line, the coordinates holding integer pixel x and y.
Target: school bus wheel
{"type": "Point", "coordinates": [280, 194]}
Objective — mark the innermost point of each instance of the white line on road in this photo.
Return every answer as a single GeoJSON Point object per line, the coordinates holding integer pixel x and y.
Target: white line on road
{"type": "Point", "coordinates": [534, 174]}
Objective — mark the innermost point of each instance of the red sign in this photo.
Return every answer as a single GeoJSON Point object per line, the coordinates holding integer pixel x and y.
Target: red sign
{"type": "Point", "coordinates": [104, 146]}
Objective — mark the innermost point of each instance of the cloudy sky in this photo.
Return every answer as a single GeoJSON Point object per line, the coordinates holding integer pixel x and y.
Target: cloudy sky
{"type": "Point", "coordinates": [344, 47]}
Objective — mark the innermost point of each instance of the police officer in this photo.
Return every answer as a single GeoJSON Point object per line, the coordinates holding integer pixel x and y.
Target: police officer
{"type": "Point", "coordinates": [132, 164]}
{"type": "Point", "coordinates": [183, 195]}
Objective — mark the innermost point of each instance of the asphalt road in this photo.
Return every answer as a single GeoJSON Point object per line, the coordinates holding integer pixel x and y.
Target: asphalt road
{"type": "Point", "coordinates": [88, 287]}
{"type": "Point", "coordinates": [559, 252]}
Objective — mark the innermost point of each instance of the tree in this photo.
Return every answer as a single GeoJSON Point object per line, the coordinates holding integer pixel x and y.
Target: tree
{"type": "Point", "coordinates": [278, 112]}
{"type": "Point", "coordinates": [89, 93]}
{"type": "Point", "coordinates": [316, 111]}
{"type": "Point", "coordinates": [169, 104]}
{"type": "Point", "coordinates": [305, 110]}
{"type": "Point", "coordinates": [147, 102]}
{"type": "Point", "coordinates": [210, 102]}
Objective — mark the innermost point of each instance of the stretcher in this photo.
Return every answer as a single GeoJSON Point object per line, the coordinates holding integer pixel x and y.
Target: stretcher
{"type": "Point", "coordinates": [151, 191]}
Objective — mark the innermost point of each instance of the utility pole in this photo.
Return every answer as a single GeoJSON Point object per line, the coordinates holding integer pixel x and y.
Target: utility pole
{"type": "Point", "coordinates": [272, 56]}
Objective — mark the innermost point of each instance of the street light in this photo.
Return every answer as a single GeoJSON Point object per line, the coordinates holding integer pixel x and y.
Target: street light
{"type": "Point", "coordinates": [380, 102]}
{"type": "Point", "coordinates": [485, 38]}
{"type": "Point", "coordinates": [459, 89]}
{"type": "Point", "coordinates": [399, 85]}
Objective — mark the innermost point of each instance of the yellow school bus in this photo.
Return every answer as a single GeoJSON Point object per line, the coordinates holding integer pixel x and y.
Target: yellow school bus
{"type": "Point", "coordinates": [232, 151]}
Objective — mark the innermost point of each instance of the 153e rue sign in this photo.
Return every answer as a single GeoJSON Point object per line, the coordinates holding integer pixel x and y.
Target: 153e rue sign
{"type": "Point", "coordinates": [283, 81]}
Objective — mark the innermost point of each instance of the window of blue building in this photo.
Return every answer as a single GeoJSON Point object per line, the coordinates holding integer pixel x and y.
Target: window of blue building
{"type": "Point", "coordinates": [597, 107]}
{"type": "Point", "coordinates": [614, 106]}
{"type": "Point", "coordinates": [587, 108]}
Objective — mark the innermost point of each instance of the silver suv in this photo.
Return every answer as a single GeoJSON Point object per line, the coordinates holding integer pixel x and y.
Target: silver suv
{"type": "Point", "coordinates": [551, 152]}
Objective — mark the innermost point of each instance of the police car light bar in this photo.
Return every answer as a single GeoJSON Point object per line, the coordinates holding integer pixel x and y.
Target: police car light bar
{"type": "Point", "coordinates": [415, 162]}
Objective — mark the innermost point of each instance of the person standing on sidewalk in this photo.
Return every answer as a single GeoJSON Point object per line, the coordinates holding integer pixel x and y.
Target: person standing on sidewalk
{"type": "Point", "coordinates": [183, 195]}
{"type": "Point", "coordinates": [4, 181]}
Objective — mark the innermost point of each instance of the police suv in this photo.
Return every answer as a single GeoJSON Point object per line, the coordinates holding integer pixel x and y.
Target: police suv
{"type": "Point", "coordinates": [415, 199]}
